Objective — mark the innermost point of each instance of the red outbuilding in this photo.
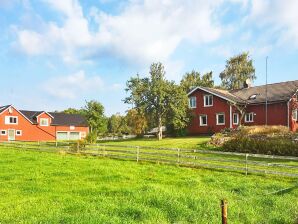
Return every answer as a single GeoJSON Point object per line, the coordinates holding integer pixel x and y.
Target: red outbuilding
{"type": "Point", "coordinates": [23, 125]}
{"type": "Point", "coordinates": [216, 109]}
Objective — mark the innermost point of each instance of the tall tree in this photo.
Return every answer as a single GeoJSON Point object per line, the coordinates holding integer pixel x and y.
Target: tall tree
{"type": "Point", "coordinates": [136, 121]}
{"type": "Point", "coordinates": [117, 124]}
{"type": "Point", "coordinates": [94, 113]}
{"type": "Point", "coordinates": [238, 69]}
{"type": "Point", "coordinates": [156, 96]}
{"type": "Point", "coordinates": [73, 111]}
{"type": "Point", "coordinates": [194, 78]}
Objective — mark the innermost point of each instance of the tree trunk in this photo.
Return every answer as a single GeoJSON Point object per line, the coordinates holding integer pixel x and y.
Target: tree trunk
{"type": "Point", "coordinates": [159, 134]}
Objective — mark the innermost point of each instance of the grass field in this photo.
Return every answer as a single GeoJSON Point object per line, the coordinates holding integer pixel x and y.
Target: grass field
{"type": "Point", "coordinates": [38, 187]}
{"type": "Point", "coordinates": [183, 143]}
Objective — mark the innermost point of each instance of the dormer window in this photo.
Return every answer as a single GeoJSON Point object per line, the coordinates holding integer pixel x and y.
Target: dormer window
{"type": "Point", "coordinates": [44, 121]}
{"type": "Point", "coordinates": [295, 115]}
{"type": "Point", "coordinates": [253, 97]}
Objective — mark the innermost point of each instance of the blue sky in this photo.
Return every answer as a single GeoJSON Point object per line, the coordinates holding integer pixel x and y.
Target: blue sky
{"type": "Point", "coordinates": [57, 54]}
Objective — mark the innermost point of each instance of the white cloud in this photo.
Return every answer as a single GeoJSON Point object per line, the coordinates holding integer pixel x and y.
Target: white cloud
{"type": "Point", "coordinates": [277, 17]}
{"type": "Point", "coordinates": [69, 87]}
{"type": "Point", "coordinates": [143, 32]}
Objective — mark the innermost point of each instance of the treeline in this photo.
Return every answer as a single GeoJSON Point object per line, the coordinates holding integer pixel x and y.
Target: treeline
{"type": "Point", "coordinates": [158, 102]}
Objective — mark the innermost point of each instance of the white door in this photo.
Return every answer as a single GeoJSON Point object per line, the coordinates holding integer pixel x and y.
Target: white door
{"type": "Point", "coordinates": [11, 135]}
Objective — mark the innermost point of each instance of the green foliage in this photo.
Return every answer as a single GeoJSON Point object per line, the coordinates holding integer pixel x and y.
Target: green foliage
{"type": "Point", "coordinates": [92, 137]}
{"type": "Point", "coordinates": [52, 188]}
{"type": "Point", "coordinates": [238, 69]}
{"type": "Point", "coordinates": [94, 113]}
{"type": "Point", "coordinates": [271, 146]}
{"type": "Point", "coordinates": [194, 79]}
{"type": "Point", "coordinates": [117, 125]}
{"type": "Point", "coordinates": [159, 98]}
{"type": "Point", "coordinates": [136, 121]}
{"type": "Point", "coordinates": [73, 111]}
{"type": "Point", "coordinates": [271, 140]}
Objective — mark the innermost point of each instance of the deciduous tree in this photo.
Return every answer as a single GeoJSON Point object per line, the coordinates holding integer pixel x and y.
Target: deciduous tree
{"type": "Point", "coordinates": [194, 79]}
{"type": "Point", "coordinates": [157, 97]}
{"type": "Point", "coordinates": [238, 69]}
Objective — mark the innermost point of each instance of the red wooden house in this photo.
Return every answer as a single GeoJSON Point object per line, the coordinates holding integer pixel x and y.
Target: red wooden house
{"type": "Point", "coordinates": [216, 109]}
{"type": "Point", "coordinates": [23, 125]}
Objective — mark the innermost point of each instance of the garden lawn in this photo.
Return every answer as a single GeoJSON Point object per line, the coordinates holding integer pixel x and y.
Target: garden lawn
{"type": "Point", "coordinates": [39, 187]}
{"type": "Point", "coordinates": [182, 143]}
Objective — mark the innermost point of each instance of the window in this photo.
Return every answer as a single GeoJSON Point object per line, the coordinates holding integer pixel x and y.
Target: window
{"type": "Point", "coordinates": [3, 132]}
{"type": "Point", "coordinates": [44, 122]}
{"type": "Point", "coordinates": [220, 119]}
{"type": "Point", "coordinates": [208, 100]}
{"type": "Point", "coordinates": [253, 97]}
{"type": "Point", "coordinates": [249, 117]}
{"type": "Point", "coordinates": [236, 118]}
{"type": "Point", "coordinates": [18, 132]}
{"type": "Point", "coordinates": [193, 102]}
{"type": "Point", "coordinates": [203, 120]}
{"type": "Point", "coordinates": [295, 115]}
{"type": "Point", "coordinates": [11, 120]}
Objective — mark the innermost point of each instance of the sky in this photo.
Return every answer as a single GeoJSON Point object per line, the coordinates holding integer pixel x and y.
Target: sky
{"type": "Point", "coordinates": [57, 54]}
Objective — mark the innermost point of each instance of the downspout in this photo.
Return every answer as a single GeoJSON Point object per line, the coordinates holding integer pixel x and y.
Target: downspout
{"type": "Point", "coordinates": [231, 124]}
{"type": "Point", "coordinates": [288, 104]}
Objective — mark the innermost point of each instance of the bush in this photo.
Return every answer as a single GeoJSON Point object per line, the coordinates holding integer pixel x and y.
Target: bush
{"type": "Point", "coordinates": [270, 146]}
{"type": "Point", "coordinates": [77, 146]}
{"type": "Point", "coordinates": [271, 140]}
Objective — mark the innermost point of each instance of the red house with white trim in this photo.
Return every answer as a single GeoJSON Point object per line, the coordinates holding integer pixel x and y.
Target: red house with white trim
{"type": "Point", "coordinates": [23, 125]}
{"type": "Point", "coordinates": [216, 109]}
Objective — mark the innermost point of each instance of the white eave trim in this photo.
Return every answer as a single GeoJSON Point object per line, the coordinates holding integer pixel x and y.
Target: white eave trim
{"type": "Point", "coordinates": [44, 112]}
{"type": "Point", "coordinates": [201, 88]}
{"type": "Point", "coordinates": [17, 111]}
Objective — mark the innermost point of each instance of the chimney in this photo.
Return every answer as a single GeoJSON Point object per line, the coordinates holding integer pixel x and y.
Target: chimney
{"type": "Point", "coordinates": [247, 84]}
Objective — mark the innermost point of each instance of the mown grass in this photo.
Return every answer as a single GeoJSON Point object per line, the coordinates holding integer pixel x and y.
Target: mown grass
{"type": "Point", "coordinates": [182, 142]}
{"type": "Point", "coordinates": [38, 187]}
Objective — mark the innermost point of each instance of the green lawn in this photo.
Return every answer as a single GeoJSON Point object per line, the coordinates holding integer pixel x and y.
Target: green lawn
{"type": "Point", "coordinates": [39, 187]}
{"type": "Point", "coordinates": [183, 142]}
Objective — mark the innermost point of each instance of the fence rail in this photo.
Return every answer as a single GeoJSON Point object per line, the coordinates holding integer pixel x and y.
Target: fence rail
{"type": "Point", "coordinates": [240, 162]}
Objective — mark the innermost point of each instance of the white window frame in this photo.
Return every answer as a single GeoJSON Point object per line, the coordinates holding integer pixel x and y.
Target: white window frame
{"type": "Point", "coordinates": [44, 119]}
{"type": "Point", "coordinates": [217, 123]}
{"type": "Point", "coordinates": [201, 123]}
{"type": "Point", "coordinates": [7, 120]}
{"type": "Point", "coordinates": [21, 132]}
{"type": "Point", "coordinates": [235, 114]}
{"type": "Point", "coordinates": [295, 115]}
{"type": "Point", "coordinates": [5, 132]}
{"type": "Point", "coordinates": [190, 101]}
{"type": "Point", "coordinates": [249, 115]}
{"type": "Point", "coordinates": [205, 99]}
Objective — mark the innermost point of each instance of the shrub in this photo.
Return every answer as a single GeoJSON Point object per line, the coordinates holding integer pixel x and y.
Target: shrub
{"type": "Point", "coordinates": [271, 140]}
{"type": "Point", "coordinates": [77, 146]}
{"type": "Point", "coordinates": [270, 146]}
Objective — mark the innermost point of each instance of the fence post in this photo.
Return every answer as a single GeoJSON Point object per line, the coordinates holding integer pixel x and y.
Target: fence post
{"type": "Point", "coordinates": [246, 164]}
{"type": "Point", "coordinates": [56, 144]}
{"type": "Point", "coordinates": [224, 211]}
{"type": "Point", "coordinates": [104, 150]}
{"type": "Point", "coordinates": [178, 154]}
{"type": "Point", "coordinates": [138, 152]}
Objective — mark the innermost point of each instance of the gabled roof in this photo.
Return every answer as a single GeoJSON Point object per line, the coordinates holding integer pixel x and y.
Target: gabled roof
{"type": "Point", "coordinates": [276, 92]}
{"type": "Point", "coordinates": [68, 119]}
{"type": "Point", "coordinates": [3, 108]}
{"type": "Point", "coordinates": [59, 119]}
{"type": "Point", "coordinates": [282, 91]}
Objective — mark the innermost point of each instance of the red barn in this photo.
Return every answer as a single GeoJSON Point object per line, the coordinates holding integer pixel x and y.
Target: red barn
{"type": "Point", "coordinates": [23, 125]}
{"type": "Point", "coordinates": [216, 109]}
